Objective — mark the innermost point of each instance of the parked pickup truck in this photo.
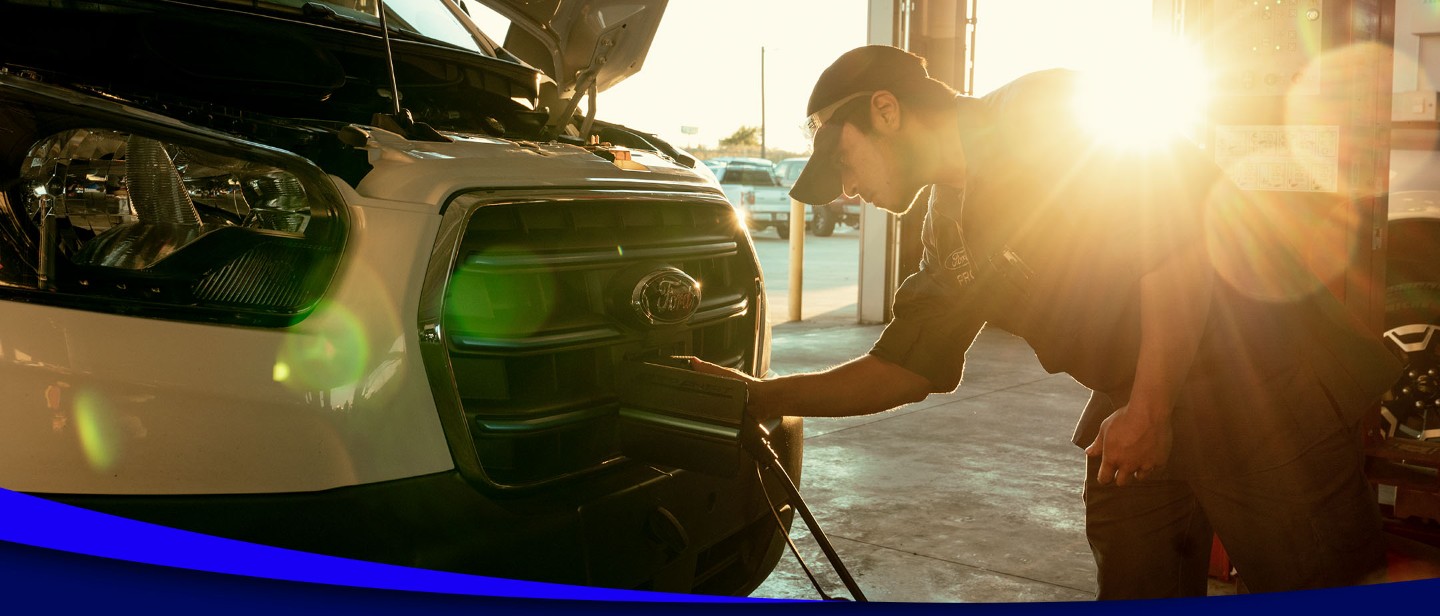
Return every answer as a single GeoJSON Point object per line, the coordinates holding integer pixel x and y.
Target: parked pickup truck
{"type": "Point", "coordinates": [843, 209]}
{"type": "Point", "coordinates": [757, 195]}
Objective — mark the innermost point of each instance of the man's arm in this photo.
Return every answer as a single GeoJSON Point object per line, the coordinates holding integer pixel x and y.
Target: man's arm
{"type": "Point", "coordinates": [1174, 307]}
{"type": "Point", "coordinates": [921, 351]}
{"type": "Point", "coordinates": [861, 386]}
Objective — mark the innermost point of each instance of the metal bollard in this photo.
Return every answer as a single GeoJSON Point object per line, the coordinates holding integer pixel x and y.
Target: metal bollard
{"type": "Point", "coordinates": [797, 256]}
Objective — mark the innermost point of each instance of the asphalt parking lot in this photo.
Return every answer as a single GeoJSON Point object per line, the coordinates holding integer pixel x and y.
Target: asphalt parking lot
{"type": "Point", "coordinates": [831, 275]}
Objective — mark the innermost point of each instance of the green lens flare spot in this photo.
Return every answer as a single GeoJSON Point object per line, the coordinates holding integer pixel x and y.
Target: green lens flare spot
{"type": "Point", "coordinates": [97, 429]}
{"type": "Point", "coordinates": [484, 302]}
{"type": "Point", "coordinates": [281, 372]}
{"type": "Point", "coordinates": [330, 351]}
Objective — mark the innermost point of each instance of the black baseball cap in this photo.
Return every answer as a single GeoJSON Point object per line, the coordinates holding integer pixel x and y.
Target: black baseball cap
{"type": "Point", "coordinates": [856, 74]}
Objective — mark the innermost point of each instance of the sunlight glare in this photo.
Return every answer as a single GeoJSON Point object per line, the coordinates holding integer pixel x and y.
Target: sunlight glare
{"type": "Point", "coordinates": [1146, 98]}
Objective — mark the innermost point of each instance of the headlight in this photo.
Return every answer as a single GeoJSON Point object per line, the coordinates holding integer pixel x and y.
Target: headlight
{"type": "Point", "coordinates": [160, 223]}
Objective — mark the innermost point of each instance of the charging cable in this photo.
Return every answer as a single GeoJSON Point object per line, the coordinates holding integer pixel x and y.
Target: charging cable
{"type": "Point", "coordinates": [766, 458]}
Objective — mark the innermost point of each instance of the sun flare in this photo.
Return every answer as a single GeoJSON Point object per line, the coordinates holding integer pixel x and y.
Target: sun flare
{"type": "Point", "coordinates": [1146, 98]}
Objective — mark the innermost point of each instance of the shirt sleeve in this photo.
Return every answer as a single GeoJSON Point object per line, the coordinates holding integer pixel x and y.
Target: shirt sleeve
{"type": "Point", "coordinates": [930, 332]}
{"type": "Point", "coordinates": [935, 317]}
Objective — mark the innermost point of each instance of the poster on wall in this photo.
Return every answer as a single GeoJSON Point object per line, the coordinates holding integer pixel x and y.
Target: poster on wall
{"type": "Point", "coordinates": [1291, 158]}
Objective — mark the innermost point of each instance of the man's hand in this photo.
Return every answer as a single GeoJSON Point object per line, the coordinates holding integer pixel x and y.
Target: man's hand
{"type": "Point", "coordinates": [1174, 307]}
{"type": "Point", "coordinates": [700, 365]}
{"type": "Point", "coordinates": [1132, 444]}
{"type": "Point", "coordinates": [757, 404]}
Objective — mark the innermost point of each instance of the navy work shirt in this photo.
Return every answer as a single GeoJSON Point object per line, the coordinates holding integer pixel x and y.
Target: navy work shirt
{"type": "Point", "coordinates": [1049, 238]}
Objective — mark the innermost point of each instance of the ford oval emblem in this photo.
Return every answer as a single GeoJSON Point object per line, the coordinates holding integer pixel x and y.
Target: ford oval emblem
{"type": "Point", "coordinates": [665, 297]}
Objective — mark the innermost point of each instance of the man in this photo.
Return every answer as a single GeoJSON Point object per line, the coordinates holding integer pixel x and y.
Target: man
{"type": "Point", "coordinates": [1227, 381]}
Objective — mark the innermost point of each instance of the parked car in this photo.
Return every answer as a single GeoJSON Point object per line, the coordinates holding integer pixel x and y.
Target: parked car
{"type": "Point", "coordinates": [746, 160]}
{"type": "Point", "coordinates": [259, 281]}
{"type": "Point", "coordinates": [759, 198]}
{"type": "Point", "coordinates": [788, 170]}
{"type": "Point", "coordinates": [715, 167]}
{"type": "Point", "coordinates": [843, 210]}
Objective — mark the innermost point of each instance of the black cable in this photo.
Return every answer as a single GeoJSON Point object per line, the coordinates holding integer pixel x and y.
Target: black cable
{"type": "Point", "coordinates": [784, 532]}
{"type": "Point", "coordinates": [765, 455]}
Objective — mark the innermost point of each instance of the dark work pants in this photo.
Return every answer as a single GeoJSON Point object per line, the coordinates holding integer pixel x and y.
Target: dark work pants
{"type": "Point", "coordinates": [1310, 523]}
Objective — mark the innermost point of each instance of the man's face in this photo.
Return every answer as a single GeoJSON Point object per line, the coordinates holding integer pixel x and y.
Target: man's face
{"type": "Point", "coordinates": [878, 168]}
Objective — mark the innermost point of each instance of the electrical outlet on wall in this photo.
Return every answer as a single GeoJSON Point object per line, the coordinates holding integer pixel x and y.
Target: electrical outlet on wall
{"type": "Point", "coordinates": [1417, 106]}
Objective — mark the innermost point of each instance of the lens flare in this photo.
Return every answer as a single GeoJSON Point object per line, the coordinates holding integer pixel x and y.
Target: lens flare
{"type": "Point", "coordinates": [98, 430]}
{"type": "Point", "coordinates": [330, 350]}
{"type": "Point", "coordinates": [1308, 32]}
{"type": "Point", "coordinates": [281, 372]}
{"type": "Point", "coordinates": [1246, 239]}
{"type": "Point", "coordinates": [1354, 69]}
{"type": "Point", "coordinates": [485, 300]}
{"type": "Point", "coordinates": [1144, 99]}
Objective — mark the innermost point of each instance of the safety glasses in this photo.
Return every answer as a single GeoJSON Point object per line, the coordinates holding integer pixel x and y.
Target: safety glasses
{"type": "Point", "coordinates": [812, 124]}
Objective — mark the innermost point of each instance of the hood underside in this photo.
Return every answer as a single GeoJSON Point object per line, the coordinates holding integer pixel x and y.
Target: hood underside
{"type": "Point", "coordinates": [291, 58]}
{"type": "Point", "coordinates": [582, 44]}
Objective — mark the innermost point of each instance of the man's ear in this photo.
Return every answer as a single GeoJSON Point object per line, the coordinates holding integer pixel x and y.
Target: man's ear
{"type": "Point", "coordinates": [884, 111]}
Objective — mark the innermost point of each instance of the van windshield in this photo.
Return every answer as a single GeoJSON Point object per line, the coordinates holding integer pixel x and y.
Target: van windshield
{"type": "Point", "coordinates": [433, 21]}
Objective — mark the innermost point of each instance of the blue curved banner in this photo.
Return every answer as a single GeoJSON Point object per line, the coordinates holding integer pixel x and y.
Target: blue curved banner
{"type": "Point", "coordinates": [62, 558]}
{"type": "Point", "coordinates": [34, 521]}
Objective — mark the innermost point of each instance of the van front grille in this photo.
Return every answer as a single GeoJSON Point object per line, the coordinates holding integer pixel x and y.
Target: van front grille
{"type": "Point", "coordinates": [536, 319]}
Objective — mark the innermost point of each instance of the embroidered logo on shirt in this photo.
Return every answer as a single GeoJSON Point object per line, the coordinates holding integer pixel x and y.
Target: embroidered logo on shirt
{"type": "Point", "coordinates": [948, 227]}
{"type": "Point", "coordinates": [959, 262]}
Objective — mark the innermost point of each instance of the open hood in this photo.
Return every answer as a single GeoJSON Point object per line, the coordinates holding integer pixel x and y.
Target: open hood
{"type": "Point", "coordinates": [581, 44]}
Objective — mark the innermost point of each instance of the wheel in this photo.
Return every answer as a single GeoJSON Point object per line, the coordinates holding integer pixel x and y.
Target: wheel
{"type": "Point", "coordinates": [1412, 330]}
{"type": "Point", "coordinates": [824, 222]}
{"type": "Point", "coordinates": [783, 230]}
